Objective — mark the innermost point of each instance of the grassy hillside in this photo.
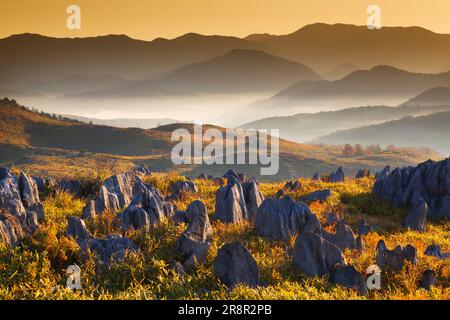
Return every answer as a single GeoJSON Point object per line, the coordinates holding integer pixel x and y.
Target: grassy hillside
{"type": "Point", "coordinates": [47, 144]}
{"type": "Point", "coordinates": [36, 270]}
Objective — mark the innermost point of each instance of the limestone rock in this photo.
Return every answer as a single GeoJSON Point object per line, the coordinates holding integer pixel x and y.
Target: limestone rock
{"type": "Point", "coordinates": [148, 208]}
{"type": "Point", "coordinates": [316, 256]}
{"type": "Point", "coordinates": [182, 188]}
{"type": "Point", "coordinates": [394, 259]}
{"type": "Point", "coordinates": [349, 277]}
{"type": "Point", "coordinates": [428, 280]}
{"type": "Point", "coordinates": [337, 176]}
{"type": "Point", "coordinates": [417, 217]}
{"type": "Point", "coordinates": [280, 219]}
{"type": "Point", "coordinates": [344, 237]}
{"type": "Point", "coordinates": [319, 195]}
{"type": "Point", "coordinates": [434, 250]}
{"type": "Point", "coordinates": [235, 265]}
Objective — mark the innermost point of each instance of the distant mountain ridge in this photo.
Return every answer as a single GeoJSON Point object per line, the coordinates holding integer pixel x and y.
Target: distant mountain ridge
{"type": "Point", "coordinates": [238, 71]}
{"type": "Point", "coordinates": [433, 97]}
{"type": "Point", "coordinates": [431, 131]}
{"type": "Point", "coordinates": [376, 86]}
{"type": "Point", "coordinates": [30, 57]}
{"type": "Point", "coordinates": [304, 127]}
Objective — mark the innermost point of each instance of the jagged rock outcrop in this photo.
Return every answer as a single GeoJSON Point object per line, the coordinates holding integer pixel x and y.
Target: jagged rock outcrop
{"type": "Point", "coordinates": [362, 173]}
{"type": "Point", "coordinates": [290, 186]}
{"type": "Point", "coordinates": [116, 193]}
{"type": "Point", "coordinates": [417, 217]}
{"type": "Point", "coordinates": [11, 231]}
{"type": "Point", "coordinates": [364, 228]}
{"type": "Point", "coordinates": [235, 265]}
{"type": "Point", "coordinates": [182, 188]}
{"type": "Point", "coordinates": [177, 268]}
{"type": "Point", "coordinates": [72, 186]}
{"type": "Point", "coordinates": [111, 248]}
{"type": "Point", "coordinates": [337, 176]}
{"type": "Point", "coordinates": [428, 279]}
{"type": "Point", "coordinates": [395, 259]}
{"type": "Point", "coordinates": [349, 277]}
{"type": "Point", "coordinates": [434, 250]}
{"type": "Point", "coordinates": [253, 197]}
{"type": "Point", "coordinates": [360, 244]}
{"type": "Point", "coordinates": [383, 173]}
{"type": "Point", "coordinates": [316, 177]}
{"type": "Point", "coordinates": [147, 209]}
{"type": "Point", "coordinates": [232, 176]}
{"type": "Point", "coordinates": [19, 197]}
{"type": "Point", "coordinates": [429, 182]}
{"type": "Point", "coordinates": [344, 237]}
{"type": "Point", "coordinates": [280, 219]}
{"type": "Point", "coordinates": [230, 204]}
{"type": "Point", "coordinates": [237, 202]}
{"type": "Point", "coordinates": [316, 256]}
{"type": "Point", "coordinates": [144, 169]}
{"type": "Point", "coordinates": [332, 219]}
{"type": "Point", "coordinates": [194, 243]}
{"type": "Point", "coordinates": [319, 195]}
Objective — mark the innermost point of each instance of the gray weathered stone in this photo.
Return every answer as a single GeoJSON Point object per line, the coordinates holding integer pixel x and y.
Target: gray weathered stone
{"type": "Point", "coordinates": [112, 248]}
{"type": "Point", "coordinates": [434, 250]}
{"type": "Point", "coordinates": [316, 256]}
{"type": "Point", "coordinates": [395, 259]}
{"type": "Point", "coordinates": [417, 217]}
{"type": "Point", "coordinates": [194, 243]}
{"type": "Point", "coordinates": [235, 265]}
{"type": "Point", "coordinates": [349, 277]}
{"type": "Point", "coordinates": [344, 237]}
{"type": "Point", "coordinates": [148, 208]}
{"type": "Point", "coordinates": [429, 182]}
{"type": "Point", "coordinates": [316, 177]}
{"type": "Point", "coordinates": [116, 193]}
{"type": "Point", "coordinates": [281, 219]}
{"type": "Point", "coordinates": [362, 173]}
{"type": "Point", "coordinates": [230, 204]}
{"type": "Point", "coordinates": [337, 176]}
{"type": "Point", "coordinates": [11, 231]}
{"type": "Point", "coordinates": [181, 188]}
{"type": "Point", "coordinates": [428, 279]}
{"type": "Point", "coordinates": [319, 195]}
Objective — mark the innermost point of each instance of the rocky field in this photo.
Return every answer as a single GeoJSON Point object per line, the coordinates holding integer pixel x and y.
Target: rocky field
{"type": "Point", "coordinates": [144, 235]}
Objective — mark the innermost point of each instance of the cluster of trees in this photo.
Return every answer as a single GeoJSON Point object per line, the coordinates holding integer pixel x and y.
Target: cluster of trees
{"type": "Point", "coordinates": [358, 150]}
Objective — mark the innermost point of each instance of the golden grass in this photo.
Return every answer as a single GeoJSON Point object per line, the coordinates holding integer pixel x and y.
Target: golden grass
{"type": "Point", "coordinates": [37, 270]}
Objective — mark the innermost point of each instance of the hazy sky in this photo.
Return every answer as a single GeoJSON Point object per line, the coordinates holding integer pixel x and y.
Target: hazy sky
{"type": "Point", "coordinates": [148, 19]}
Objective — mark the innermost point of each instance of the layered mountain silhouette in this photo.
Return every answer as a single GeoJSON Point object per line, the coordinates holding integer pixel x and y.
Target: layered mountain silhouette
{"type": "Point", "coordinates": [433, 97]}
{"type": "Point", "coordinates": [380, 85]}
{"type": "Point", "coordinates": [303, 127]}
{"type": "Point", "coordinates": [239, 71]}
{"type": "Point", "coordinates": [322, 47]}
{"type": "Point", "coordinates": [431, 131]}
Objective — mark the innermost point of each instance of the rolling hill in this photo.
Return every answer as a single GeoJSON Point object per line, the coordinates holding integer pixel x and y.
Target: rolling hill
{"type": "Point", "coordinates": [439, 96]}
{"type": "Point", "coordinates": [382, 85]}
{"type": "Point", "coordinates": [304, 127]}
{"type": "Point", "coordinates": [431, 131]}
{"type": "Point", "coordinates": [47, 144]}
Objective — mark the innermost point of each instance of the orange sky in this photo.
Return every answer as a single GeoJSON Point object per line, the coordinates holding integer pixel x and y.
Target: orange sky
{"type": "Point", "coordinates": [148, 19]}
